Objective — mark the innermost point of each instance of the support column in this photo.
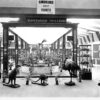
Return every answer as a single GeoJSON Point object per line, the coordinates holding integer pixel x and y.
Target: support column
{"type": "Point", "coordinates": [5, 51]}
{"type": "Point", "coordinates": [0, 59]}
{"type": "Point", "coordinates": [51, 49]}
{"type": "Point", "coordinates": [63, 47]}
{"type": "Point", "coordinates": [26, 48]}
{"type": "Point", "coordinates": [58, 43]}
{"type": "Point", "coordinates": [24, 45]}
{"type": "Point", "coordinates": [16, 50]}
{"type": "Point", "coordinates": [54, 48]}
{"type": "Point", "coordinates": [21, 44]}
{"type": "Point", "coordinates": [75, 41]}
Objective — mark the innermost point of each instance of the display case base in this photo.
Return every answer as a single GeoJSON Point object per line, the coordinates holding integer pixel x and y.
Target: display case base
{"type": "Point", "coordinates": [70, 83]}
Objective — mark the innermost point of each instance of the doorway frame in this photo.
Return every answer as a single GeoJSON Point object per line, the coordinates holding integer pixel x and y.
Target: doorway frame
{"type": "Point", "coordinates": [23, 23]}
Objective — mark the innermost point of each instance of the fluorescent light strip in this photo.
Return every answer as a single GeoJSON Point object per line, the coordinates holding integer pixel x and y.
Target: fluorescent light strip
{"type": "Point", "coordinates": [8, 19]}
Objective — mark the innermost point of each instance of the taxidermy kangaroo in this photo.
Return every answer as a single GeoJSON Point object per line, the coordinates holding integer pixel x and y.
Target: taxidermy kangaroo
{"type": "Point", "coordinates": [12, 75]}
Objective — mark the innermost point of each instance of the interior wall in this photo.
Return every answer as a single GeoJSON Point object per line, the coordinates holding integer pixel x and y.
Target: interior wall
{"type": "Point", "coordinates": [78, 4]}
{"type": "Point", "coordinates": [18, 3]}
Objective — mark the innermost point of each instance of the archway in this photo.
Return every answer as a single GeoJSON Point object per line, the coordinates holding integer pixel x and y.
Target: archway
{"type": "Point", "coordinates": [38, 21]}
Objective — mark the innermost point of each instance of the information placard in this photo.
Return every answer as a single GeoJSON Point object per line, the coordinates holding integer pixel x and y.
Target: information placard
{"type": "Point", "coordinates": [45, 6]}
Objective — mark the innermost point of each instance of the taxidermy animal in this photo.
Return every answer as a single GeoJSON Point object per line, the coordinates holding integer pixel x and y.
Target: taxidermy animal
{"type": "Point", "coordinates": [12, 75]}
{"type": "Point", "coordinates": [43, 78]}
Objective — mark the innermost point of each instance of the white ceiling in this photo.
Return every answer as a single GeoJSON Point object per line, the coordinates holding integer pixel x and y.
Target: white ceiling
{"type": "Point", "coordinates": [90, 24]}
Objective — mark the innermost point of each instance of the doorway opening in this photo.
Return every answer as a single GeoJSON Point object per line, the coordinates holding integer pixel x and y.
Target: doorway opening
{"type": "Point", "coordinates": [54, 51]}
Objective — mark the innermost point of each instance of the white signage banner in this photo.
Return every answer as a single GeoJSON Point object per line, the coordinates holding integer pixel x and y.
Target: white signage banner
{"type": "Point", "coordinates": [45, 6]}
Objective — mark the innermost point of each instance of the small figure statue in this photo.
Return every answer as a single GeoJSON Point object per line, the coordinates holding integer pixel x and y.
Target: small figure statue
{"type": "Point", "coordinates": [80, 76]}
{"type": "Point", "coordinates": [56, 80]}
{"type": "Point", "coordinates": [27, 79]}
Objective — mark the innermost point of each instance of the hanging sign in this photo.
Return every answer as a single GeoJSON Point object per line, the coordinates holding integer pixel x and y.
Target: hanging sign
{"type": "Point", "coordinates": [45, 6]}
{"type": "Point", "coordinates": [45, 20]}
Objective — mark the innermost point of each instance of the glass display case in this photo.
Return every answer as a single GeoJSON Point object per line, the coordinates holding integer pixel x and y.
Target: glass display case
{"type": "Point", "coordinates": [85, 61]}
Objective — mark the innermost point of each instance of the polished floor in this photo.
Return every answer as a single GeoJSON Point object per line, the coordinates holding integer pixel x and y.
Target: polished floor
{"type": "Point", "coordinates": [86, 88]}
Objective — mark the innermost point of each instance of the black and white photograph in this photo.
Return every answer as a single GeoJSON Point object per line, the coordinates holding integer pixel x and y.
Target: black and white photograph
{"type": "Point", "coordinates": [50, 48]}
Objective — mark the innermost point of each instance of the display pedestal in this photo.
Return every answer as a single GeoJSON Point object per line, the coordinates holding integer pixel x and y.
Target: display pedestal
{"type": "Point", "coordinates": [98, 84]}
{"type": "Point", "coordinates": [12, 86]}
{"type": "Point", "coordinates": [44, 84]}
{"type": "Point", "coordinates": [71, 83]}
